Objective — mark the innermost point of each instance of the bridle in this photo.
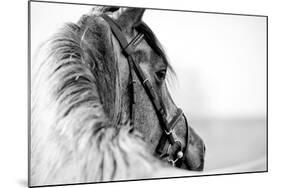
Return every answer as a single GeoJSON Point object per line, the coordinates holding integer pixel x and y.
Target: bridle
{"type": "Point", "coordinates": [167, 127]}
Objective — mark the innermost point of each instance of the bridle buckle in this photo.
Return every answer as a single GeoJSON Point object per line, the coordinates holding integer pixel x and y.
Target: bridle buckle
{"type": "Point", "coordinates": [171, 131]}
{"type": "Point", "coordinates": [179, 153]}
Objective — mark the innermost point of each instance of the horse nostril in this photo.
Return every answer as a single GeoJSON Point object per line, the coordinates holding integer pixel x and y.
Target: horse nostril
{"type": "Point", "coordinates": [204, 148]}
{"type": "Point", "coordinates": [202, 158]}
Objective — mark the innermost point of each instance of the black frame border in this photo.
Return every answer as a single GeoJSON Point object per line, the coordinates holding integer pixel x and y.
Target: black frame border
{"type": "Point", "coordinates": [130, 180]}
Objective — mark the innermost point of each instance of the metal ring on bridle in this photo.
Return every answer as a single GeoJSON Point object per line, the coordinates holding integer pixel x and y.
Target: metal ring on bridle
{"type": "Point", "coordinates": [145, 80]}
{"type": "Point", "coordinates": [179, 153]}
{"type": "Point", "coordinates": [176, 141]}
{"type": "Point", "coordinates": [169, 132]}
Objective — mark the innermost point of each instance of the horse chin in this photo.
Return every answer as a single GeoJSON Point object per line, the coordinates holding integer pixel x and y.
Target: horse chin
{"type": "Point", "coordinates": [198, 166]}
{"type": "Point", "coordinates": [194, 159]}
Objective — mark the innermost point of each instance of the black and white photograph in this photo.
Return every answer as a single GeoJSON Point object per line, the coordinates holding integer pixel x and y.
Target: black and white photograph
{"type": "Point", "coordinates": [122, 93]}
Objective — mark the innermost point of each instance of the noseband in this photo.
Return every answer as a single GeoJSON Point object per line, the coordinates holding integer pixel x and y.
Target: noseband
{"type": "Point", "coordinates": [167, 127]}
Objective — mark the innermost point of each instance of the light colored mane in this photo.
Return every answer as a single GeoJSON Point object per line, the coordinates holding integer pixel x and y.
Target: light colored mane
{"type": "Point", "coordinates": [75, 111]}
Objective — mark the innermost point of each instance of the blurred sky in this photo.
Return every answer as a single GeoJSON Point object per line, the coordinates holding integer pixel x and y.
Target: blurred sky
{"type": "Point", "coordinates": [220, 60]}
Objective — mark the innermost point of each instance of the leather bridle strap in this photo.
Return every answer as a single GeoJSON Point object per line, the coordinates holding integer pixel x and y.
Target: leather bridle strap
{"type": "Point", "coordinates": [127, 51]}
{"type": "Point", "coordinates": [171, 125]}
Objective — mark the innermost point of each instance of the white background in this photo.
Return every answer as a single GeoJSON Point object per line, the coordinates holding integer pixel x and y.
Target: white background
{"type": "Point", "coordinates": [13, 132]}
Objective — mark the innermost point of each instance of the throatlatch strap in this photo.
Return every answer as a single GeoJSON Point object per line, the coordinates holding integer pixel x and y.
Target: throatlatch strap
{"type": "Point", "coordinates": [119, 35]}
{"type": "Point", "coordinates": [131, 85]}
{"type": "Point", "coordinates": [127, 50]}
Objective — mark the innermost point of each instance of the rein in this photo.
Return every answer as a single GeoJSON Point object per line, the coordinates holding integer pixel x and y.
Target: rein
{"type": "Point", "coordinates": [167, 127]}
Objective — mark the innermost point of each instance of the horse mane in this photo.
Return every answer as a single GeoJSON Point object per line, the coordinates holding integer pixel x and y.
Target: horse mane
{"type": "Point", "coordinates": [75, 105]}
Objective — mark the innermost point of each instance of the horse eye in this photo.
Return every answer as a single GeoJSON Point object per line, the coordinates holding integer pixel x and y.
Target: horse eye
{"type": "Point", "coordinates": [160, 75]}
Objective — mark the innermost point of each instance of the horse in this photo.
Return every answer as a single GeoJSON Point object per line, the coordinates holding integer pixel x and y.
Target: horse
{"type": "Point", "coordinates": [81, 106]}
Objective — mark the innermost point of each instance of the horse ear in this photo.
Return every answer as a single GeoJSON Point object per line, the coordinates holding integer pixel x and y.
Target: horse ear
{"type": "Point", "coordinates": [128, 18]}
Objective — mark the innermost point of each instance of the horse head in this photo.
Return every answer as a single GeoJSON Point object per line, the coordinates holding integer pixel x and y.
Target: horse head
{"type": "Point", "coordinates": [148, 54]}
